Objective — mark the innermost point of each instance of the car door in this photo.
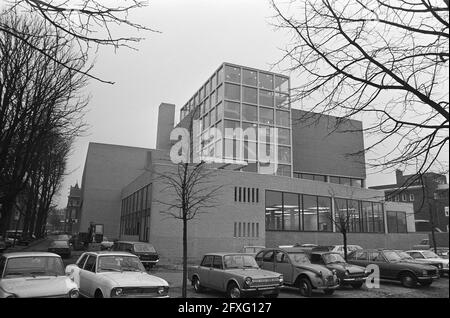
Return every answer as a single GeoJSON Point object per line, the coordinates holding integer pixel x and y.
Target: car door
{"type": "Point", "coordinates": [268, 260]}
{"type": "Point", "coordinates": [205, 269]}
{"type": "Point", "coordinates": [88, 275]}
{"type": "Point", "coordinates": [377, 258]}
{"type": "Point", "coordinates": [284, 266]}
{"type": "Point", "coordinates": [216, 275]}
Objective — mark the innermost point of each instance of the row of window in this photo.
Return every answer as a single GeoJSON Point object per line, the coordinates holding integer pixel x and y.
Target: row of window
{"type": "Point", "coordinates": [354, 182]}
{"type": "Point", "coordinates": [404, 197]}
{"type": "Point", "coordinates": [135, 212]}
{"type": "Point", "coordinates": [300, 212]}
{"type": "Point", "coordinates": [244, 194]}
{"type": "Point", "coordinates": [246, 229]}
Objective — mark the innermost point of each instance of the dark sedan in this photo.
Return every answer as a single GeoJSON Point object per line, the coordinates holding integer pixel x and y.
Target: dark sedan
{"type": "Point", "coordinates": [348, 274]}
{"type": "Point", "coordinates": [61, 248]}
{"type": "Point", "coordinates": [393, 267]}
{"type": "Point", "coordinates": [145, 251]}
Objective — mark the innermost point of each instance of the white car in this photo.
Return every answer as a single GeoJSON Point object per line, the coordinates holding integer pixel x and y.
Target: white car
{"type": "Point", "coordinates": [105, 274]}
{"type": "Point", "coordinates": [34, 274]}
{"type": "Point", "coordinates": [425, 256]}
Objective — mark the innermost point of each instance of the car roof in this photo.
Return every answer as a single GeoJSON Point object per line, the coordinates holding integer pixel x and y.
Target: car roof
{"type": "Point", "coordinates": [29, 254]}
{"type": "Point", "coordinates": [226, 254]}
{"type": "Point", "coordinates": [323, 252]}
{"type": "Point", "coordinates": [109, 253]}
{"type": "Point", "coordinates": [132, 242]}
{"type": "Point", "coordinates": [293, 249]}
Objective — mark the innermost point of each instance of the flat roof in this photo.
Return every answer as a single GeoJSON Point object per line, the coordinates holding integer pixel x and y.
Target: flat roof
{"type": "Point", "coordinates": [29, 254]}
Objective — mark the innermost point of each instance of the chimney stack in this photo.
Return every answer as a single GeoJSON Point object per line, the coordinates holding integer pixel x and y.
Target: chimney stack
{"type": "Point", "coordinates": [166, 117]}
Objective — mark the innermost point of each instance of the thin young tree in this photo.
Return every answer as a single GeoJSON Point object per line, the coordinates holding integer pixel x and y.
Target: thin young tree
{"type": "Point", "coordinates": [192, 192]}
{"type": "Point", "coordinates": [383, 60]}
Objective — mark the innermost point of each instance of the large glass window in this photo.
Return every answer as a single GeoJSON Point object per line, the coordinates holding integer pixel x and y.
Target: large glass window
{"type": "Point", "coordinates": [266, 81]}
{"type": "Point", "coordinates": [232, 92]}
{"type": "Point", "coordinates": [396, 222]}
{"type": "Point", "coordinates": [354, 216]}
{"type": "Point", "coordinates": [232, 74]}
{"type": "Point", "coordinates": [284, 154]}
{"type": "Point", "coordinates": [283, 118]}
{"type": "Point", "coordinates": [367, 215]}
{"type": "Point", "coordinates": [266, 116]}
{"type": "Point", "coordinates": [220, 75]}
{"type": "Point", "coordinates": [230, 128]}
{"type": "Point", "coordinates": [232, 149]}
{"type": "Point", "coordinates": [249, 113]}
{"type": "Point", "coordinates": [274, 211]}
{"type": "Point", "coordinates": [249, 77]}
{"type": "Point", "coordinates": [219, 93]}
{"type": "Point", "coordinates": [378, 217]}
{"type": "Point", "coordinates": [282, 101]}
{"type": "Point", "coordinates": [325, 216]}
{"type": "Point", "coordinates": [309, 213]}
{"type": "Point", "coordinates": [265, 98]}
{"type": "Point", "coordinates": [232, 110]}
{"type": "Point", "coordinates": [219, 111]}
{"type": "Point", "coordinates": [340, 214]}
{"type": "Point", "coordinates": [282, 84]}
{"type": "Point", "coordinates": [284, 136]}
{"type": "Point", "coordinates": [283, 170]}
{"type": "Point", "coordinates": [250, 151]}
{"type": "Point", "coordinates": [249, 95]}
{"type": "Point", "coordinates": [266, 134]}
{"type": "Point", "coordinates": [291, 210]}
{"type": "Point", "coordinates": [250, 131]}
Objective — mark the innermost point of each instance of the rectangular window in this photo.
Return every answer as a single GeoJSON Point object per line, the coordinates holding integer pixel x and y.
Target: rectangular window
{"type": "Point", "coordinates": [253, 229]}
{"type": "Point", "coordinates": [249, 113]}
{"type": "Point", "coordinates": [253, 195]}
{"type": "Point", "coordinates": [281, 84]}
{"type": "Point", "coordinates": [265, 80]}
{"type": "Point", "coordinates": [235, 194]}
{"type": "Point", "coordinates": [248, 229]}
{"type": "Point", "coordinates": [334, 179]}
{"type": "Point", "coordinates": [357, 183]}
{"type": "Point", "coordinates": [310, 213]}
{"type": "Point", "coordinates": [291, 215]}
{"type": "Point", "coordinates": [249, 95]}
{"type": "Point", "coordinates": [283, 118]}
{"type": "Point", "coordinates": [325, 215]}
{"type": "Point", "coordinates": [244, 195]}
{"type": "Point", "coordinates": [249, 77]}
{"type": "Point", "coordinates": [232, 74]}
{"type": "Point", "coordinates": [367, 217]}
{"type": "Point", "coordinates": [257, 229]}
{"type": "Point", "coordinates": [354, 216]}
{"type": "Point", "coordinates": [345, 181]}
{"type": "Point", "coordinates": [239, 232]}
{"type": "Point", "coordinates": [257, 195]}
{"type": "Point", "coordinates": [378, 217]}
{"type": "Point", "coordinates": [266, 98]}
{"type": "Point", "coordinates": [219, 94]}
{"type": "Point", "coordinates": [274, 210]}
{"type": "Point", "coordinates": [284, 136]}
{"type": "Point", "coordinates": [396, 222]}
{"type": "Point", "coordinates": [243, 229]}
{"type": "Point", "coordinates": [411, 197]}
{"type": "Point", "coordinates": [240, 194]}
{"type": "Point", "coordinates": [249, 190]}
{"type": "Point", "coordinates": [232, 92]}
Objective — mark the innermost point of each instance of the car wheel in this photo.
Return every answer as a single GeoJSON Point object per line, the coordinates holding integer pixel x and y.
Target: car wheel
{"type": "Point", "coordinates": [328, 292]}
{"type": "Point", "coordinates": [408, 280]}
{"type": "Point", "coordinates": [98, 294]}
{"type": "Point", "coordinates": [426, 284]}
{"type": "Point", "coordinates": [304, 286]}
{"type": "Point", "coordinates": [197, 287]}
{"type": "Point", "coordinates": [357, 285]}
{"type": "Point", "coordinates": [233, 291]}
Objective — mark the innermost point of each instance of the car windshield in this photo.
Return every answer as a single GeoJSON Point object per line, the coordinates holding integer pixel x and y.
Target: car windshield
{"type": "Point", "coordinates": [144, 248]}
{"type": "Point", "coordinates": [60, 244]}
{"type": "Point", "coordinates": [333, 258]}
{"type": "Point", "coordinates": [240, 261]}
{"type": "Point", "coordinates": [429, 254]}
{"type": "Point", "coordinates": [33, 266]}
{"type": "Point", "coordinates": [392, 256]}
{"type": "Point", "coordinates": [119, 263]}
{"type": "Point", "coordinates": [404, 255]}
{"type": "Point", "coordinates": [299, 258]}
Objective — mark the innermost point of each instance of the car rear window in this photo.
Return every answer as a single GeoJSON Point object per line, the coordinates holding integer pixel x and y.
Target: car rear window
{"type": "Point", "coordinates": [144, 248]}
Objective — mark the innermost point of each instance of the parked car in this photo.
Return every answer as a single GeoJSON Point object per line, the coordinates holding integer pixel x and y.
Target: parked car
{"type": "Point", "coordinates": [145, 251]}
{"type": "Point", "coordinates": [348, 274]}
{"type": "Point", "coordinates": [237, 274]}
{"type": "Point", "coordinates": [297, 270]}
{"type": "Point", "coordinates": [61, 248]}
{"type": "Point", "coordinates": [393, 267]}
{"type": "Point", "coordinates": [34, 274]}
{"type": "Point", "coordinates": [105, 274]}
{"type": "Point", "coordinates": [406, 257]}
{"type": "Point", "coordinates": [252, 249]}
{"type": "Point", "coordinates": [3, 246]}
{"type": "Point", "coordinates": [441, 252]}
{"type": "Point", "coordinates": [106, 244]}
{"type": "Point", "coordinates": [425, 256]}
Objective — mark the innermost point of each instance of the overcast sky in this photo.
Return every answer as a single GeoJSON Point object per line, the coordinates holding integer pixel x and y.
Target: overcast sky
{"type": "Point", "coordinates": [197, 36]}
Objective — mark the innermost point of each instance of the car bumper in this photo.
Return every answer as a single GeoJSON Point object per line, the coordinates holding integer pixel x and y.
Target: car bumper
{"type": "Point", "coordinates": [265, 290]}
{"type": "Point", "coordinates": [142, 296]}
{"type": "Point", "coordinates": [150, 262]}
{"type": "Point", "coordinates": [353, 279]}
{"type": "Point", "coordinates": [427, 278]}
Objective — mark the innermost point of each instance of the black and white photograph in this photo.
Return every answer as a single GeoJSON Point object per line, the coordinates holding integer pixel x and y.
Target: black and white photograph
{"type": "Point", "coordinates": [203, 150]}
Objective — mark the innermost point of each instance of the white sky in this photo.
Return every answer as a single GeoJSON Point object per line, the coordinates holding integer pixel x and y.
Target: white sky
{"type": "Point", "coordinates": [197, 36]}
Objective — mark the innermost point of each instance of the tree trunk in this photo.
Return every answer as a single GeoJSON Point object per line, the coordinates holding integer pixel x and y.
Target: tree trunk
{"type": "Point", "coordinates": [344, 234]}
{"type": "Point", "coordinates": [433, 237]}
{"type": "Point", "coordinates": [184, 287]}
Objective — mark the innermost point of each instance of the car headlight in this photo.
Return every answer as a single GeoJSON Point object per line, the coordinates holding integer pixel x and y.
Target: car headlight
{"type": "Point", "coordinates": [74, 293]}
{"type": "Point", "coordinates": [347, 273]}
{"type": "Point", "coordinates": [319, 274]}
{"type": "Point", "coordinates": [117, 291]}
{"type": "Point", "coordinates": [281, 279]}
{"type": "Point", "coordinates": [248, 281]}
{"type": "Point", "coordinates": [446, 265]}
{"type": "Point", "coordinates": [162, 290]}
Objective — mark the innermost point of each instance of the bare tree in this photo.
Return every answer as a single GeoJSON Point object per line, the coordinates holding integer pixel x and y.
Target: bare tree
{"type": "Point", "coordinates": [87, 23]}
{"type": "Point", "coordinates": [194, 193]}
{"type": "Point", "coordinates": [39, 100]}
{"type": "Point", "coordinates": [385, 60]}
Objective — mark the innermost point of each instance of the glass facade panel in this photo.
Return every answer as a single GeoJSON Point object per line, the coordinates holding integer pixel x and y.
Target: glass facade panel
{"type": "Point", "coordinates": [265, 80]}
{"type": "Point", "coordinates": [283, 118]}
{"type": "Point", "coordinates": [232, 150]}
{"type": "Point", "coordinates": [309, 213]}
{"type": "Point", "coordinates": [340, 216]}
{"type": "Point", "coordinates": [230, 128]}
{"type": "Point", "coordinates": [249, 113]}
{"type": "Point", "coordinates": [283, 170]}
{"type": "Point", "coordinates": [250, 131]}
{"type": "Point", "coordinates": [266, 134]}
{"type": "Point", "coordinates": [219, 111]}
{"type": "Point", "coordinates": [266, 116]}
{"type": "Point", "coordinates": [354, 216]}
{"type": "Point", "coordinates": [232, 92]}
{"type": "Point", "coordinates": [282, 101]}
{"type": "Point", "coordinates": [250, 151]}
{"type": "Point", "coordinates": [281, 84]}
{"type": "Point", "coordinates": [378, 218]}
{"type": "Point", "coordinates": [219, 93]}
{"type": "Point", "coordinates": [249, 95]}
{"type": "Point", "coordinates": [274, 211]}
{"type": "Point", "coordinates": [232, 110]}
{"type": "Point", "coordinates": [291, 209]}
{"type": "Point", "coordinates": [284, 154]}
{"type": "Point", "coordinates": [249, 77]}
{"type": "Point", "coordinates": [251, 167]}
{"type": "Point", "coordinates": [232, 74]}
{"type": "Point", "coordinates": [345, 181]}
{"type": "Point", "coordinates": [325, 216]}
{"type": "Point", "coordinates": [367, 215]}
{"type": "Point", "coordinates": [265, 98]}
{"type": "Point", "coordinates": [334, 179]}
{"type": "Point", "coordinates": [212, 116]}
{"type": "Point", "coordinates": [396, 222]}
{"type": "Point", "coordinates": [284, 136]}
{"type": "Point", "coordinates": [220, 76]}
